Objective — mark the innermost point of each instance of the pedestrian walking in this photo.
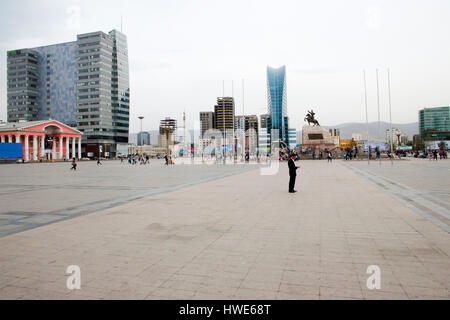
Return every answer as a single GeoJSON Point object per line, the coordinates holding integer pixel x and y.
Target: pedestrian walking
{"type": "Point", "coordinates": [74, 165]}
{"type": "Point", "coordinates": [292, 173]}
{"type": "Point", "coordinates": [98, 162]}
{"type": "Point", "coordinates": [330, 157]}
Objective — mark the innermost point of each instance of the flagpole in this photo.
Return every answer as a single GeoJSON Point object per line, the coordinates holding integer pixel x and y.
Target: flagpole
{"type": "Point", "coordinates": [390, 115]}
{"type": "Point", "coordinates": [224, 131]}
{"type": "Point", "coordinates": [243, 117]}
{"type": "Point", "coordinates": [379, 120]}
{"type": "Point", "coordinates": [367, 117]}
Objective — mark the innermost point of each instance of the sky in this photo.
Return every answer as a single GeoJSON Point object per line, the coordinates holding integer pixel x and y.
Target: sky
{"type": "Point", "coordinates": [181, 53]}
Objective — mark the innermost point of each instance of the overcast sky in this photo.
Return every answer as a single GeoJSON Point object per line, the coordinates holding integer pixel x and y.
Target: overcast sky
{"type": "Point", "coordinates": [181, 51]}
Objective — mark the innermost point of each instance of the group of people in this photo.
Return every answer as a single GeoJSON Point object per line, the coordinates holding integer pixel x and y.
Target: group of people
{"type": "Point", "coordinates": [432, 155]}
{"type": "Point", "coordinates": [351, 153]}
{"type": "Point", "coordinates": [135, 159]}
{"type": "Point", "coordinates": [435, 153]}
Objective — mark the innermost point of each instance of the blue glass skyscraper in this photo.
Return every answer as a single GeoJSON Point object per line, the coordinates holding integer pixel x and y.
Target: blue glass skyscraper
{"type": "Point", "coordinates": [277, 102]}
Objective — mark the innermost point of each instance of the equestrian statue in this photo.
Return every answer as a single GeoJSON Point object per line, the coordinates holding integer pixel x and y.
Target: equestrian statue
{"type": "Point", "coordinates": [310, 118]}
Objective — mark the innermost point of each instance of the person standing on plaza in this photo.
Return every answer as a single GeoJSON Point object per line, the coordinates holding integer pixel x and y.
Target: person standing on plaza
{"type": "Point", "coordinates": [292, 173]}
{"type": "Point", "coordinates": [167, 159]}
{"type": "Point", "coordinates": [330, 157]}
{"type": "Point", "coordinates": [435, 155]}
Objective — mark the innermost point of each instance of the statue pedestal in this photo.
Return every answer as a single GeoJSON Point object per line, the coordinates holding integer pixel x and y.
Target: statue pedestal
{"type": "Point", "coordinates": [316, 138]}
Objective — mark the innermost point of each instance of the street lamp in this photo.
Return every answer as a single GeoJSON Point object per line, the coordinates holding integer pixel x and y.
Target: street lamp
{"type": "Point", "coordinates": [140, 118]}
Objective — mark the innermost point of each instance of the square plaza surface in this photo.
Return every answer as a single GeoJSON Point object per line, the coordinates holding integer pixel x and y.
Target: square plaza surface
{"type": "Point", "coordinates": [228, 232]}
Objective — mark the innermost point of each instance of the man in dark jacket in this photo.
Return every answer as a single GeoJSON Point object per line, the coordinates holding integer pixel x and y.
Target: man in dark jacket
{"type": "Point", "coordinates": [292, 173]}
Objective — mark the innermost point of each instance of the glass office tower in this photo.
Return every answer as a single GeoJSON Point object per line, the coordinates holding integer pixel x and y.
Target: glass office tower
{"type": "Point", "coordinates": [277, 102]}
{"type": "Point", "coordinates": [84, 83]}
{"type": "Point", "coordinates": [434, 123]}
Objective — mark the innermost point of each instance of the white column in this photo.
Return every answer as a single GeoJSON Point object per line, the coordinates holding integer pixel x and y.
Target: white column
{"type": "Point", "coordinates": [54, 148]}
{"type": "Point", "coordinates": [61, 140]}
{"type": "Point", "coordinates": [18, 139]}
{"type": "Point", "coordinates": [27, 148]}
{"type": "Point", "coordinates": [9, 138]}
{"type": "Point", "coordinates": [42, 146]}
{"type": "Point", "coordinates": [3, 139]}
{"type": "Point", "coordinates": [73, 148]}
{"type": "Point", "coordinates": [79, 148]}
{"type": "Point", "coordinates": [35, 148]}
{"type": "Point", "coordinates": [67, 148]}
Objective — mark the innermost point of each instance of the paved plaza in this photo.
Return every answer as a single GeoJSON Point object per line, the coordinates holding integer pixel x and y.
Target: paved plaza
{"type": "Point", "coordinates": [227, 232]}
{"type": "Point", "coordinates": [33, 195]}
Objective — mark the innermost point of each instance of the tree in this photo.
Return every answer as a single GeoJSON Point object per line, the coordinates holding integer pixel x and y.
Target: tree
{"type": "Point", "coordinates": [442, 146]}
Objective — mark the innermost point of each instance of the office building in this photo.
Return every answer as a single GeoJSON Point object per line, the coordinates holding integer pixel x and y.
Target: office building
{"type": "Point", "coordinates": [206, 122]}
{"type": "Point", "coordinates": [335, 132]}
{"type": "Point", "coordinates": [277, 103]}
{"type": "Point", "coordinates": [42, 84]}
{"type": "Point", "coordinates": [143, 138]}
{"type": "Point", "coordinates": [395, 136]}
{"type": "Point", "coordinates": [249, 125]}
{"type": "Point", "coordinates": [264, 140]}
{"type": "Point", "coordinates": [292, 138]}
{"type": "Point", "coordinates": [84, 83]}
{"type": "Point", "coordinates": [265, 121]}
{"type": "Point", "coordinates": [434, 123]}
{"type": "Point", "coordinates": [224, 114]}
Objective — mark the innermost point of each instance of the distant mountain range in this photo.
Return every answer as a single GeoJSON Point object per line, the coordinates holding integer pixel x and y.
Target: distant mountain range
{"type": "Point", "coordinates": [346, 129]}
{"type": "Point", "coordinates": [376, 131]}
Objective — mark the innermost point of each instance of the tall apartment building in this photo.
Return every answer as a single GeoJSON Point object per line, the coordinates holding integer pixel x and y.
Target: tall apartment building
{"type": "Point", "coordinates": [84, 83]}
{"type": "Point", "coordinates": [206, 121]}
{"type": "Point", "coordinates": [224, 114]}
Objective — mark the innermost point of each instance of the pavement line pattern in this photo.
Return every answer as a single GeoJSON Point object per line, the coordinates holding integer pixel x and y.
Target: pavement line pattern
{"type": "Point", "coordinates": [427, 206]}
{"type": "Point", "coordinates": [16, 221]}
{"type": "Point", "coordinates": [240, 237]}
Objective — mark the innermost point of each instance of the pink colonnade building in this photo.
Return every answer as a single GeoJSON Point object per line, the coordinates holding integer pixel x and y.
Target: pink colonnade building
{"type": "Point", "coordinates": [43, 140]}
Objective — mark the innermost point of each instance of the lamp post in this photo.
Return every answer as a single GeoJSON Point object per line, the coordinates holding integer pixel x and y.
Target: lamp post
{"type": "Point", "coordinates": [140, 118]}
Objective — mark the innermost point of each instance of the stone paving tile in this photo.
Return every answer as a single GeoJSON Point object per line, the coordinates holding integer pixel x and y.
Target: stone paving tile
{"type": "Point", "coordinates": [256, 242]}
